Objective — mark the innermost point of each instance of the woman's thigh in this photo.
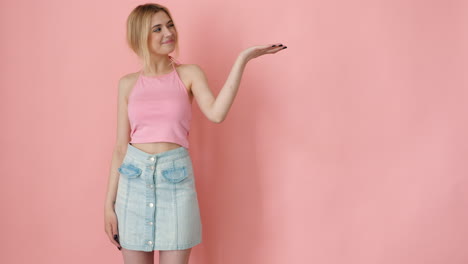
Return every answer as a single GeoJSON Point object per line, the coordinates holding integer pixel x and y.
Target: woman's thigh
{"type": "Point", "coordinates": [137, 257]}
{"type": "Point", "coordinates": [174, 256]}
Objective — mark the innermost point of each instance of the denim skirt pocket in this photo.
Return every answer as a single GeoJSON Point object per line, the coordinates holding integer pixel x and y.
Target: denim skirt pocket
{"type": "Point", "coordinates": [178, 173]}
{"type": "Point", "coordinates": [130, 170]}
{"type": "Point", "coordinates": [175, 174]}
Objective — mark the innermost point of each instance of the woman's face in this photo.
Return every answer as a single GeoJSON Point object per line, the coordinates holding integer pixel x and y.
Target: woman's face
{"type": "Point", "coordinates": [162, 32]}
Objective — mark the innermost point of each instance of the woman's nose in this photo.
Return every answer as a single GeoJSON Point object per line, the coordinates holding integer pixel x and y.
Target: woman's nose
{"type": "Point", "coordinates": [167, 32]}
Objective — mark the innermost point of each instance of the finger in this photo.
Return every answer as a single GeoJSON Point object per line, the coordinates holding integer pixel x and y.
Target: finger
{"type": "Point", "coordinates": [275, 50]}
{"type": "Point", "coordinates": [282, 48]}
{"type": "Point", "coordinates": [111, 234]}
{"type": "Point", "coordinates": [117, 242]}
{"type": "Point", "coordinates": [115, 233]}
{"type": "Point", "coordinates": [116, 237]}
{"type": "Point", "coordinates": [276, 45]}
{"type": "Point", "coordinates": [267, 47]}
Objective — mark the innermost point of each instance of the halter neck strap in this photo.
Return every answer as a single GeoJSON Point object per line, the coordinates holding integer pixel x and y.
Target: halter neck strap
{"type": "Point", "coordinates": [173, 60]}
{"type": "Point", "coordinates": [172, 63]}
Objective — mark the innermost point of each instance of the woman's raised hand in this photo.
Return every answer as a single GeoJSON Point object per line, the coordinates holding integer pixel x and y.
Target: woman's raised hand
{"type": "Point", "coordinates": [255, 51]}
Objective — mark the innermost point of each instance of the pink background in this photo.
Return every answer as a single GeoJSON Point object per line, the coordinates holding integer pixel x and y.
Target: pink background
{"type": "Point", "coordinates": [350, 146]}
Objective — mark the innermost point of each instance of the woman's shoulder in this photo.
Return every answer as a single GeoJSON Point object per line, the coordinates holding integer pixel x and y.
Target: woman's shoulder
{"type": "Point", "coordinates": [189, 69]}
{"type": "Point", "coordinates": [127, 81]}
{"type": "Point", "coordinates": [129, 77]}
{"type": "Point", "coordinates": [188, 66]}
{"type": "Point", "coordinates": [189, 72]}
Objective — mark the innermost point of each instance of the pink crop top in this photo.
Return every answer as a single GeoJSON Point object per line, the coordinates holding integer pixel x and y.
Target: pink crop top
{"type": "Point", "coordinates": [159, 109]}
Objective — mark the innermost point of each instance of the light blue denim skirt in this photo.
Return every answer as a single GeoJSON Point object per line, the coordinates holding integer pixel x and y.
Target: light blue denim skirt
{"type": "Point", "coordinates": [156, 203]}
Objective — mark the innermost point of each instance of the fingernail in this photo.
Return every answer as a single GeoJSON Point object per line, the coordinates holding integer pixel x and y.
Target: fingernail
{"type": "Point", "coordinates": [274, 46]}
{"type": "Point", "coordinates": [284, 47]}
{"type": "Point", "coordinates": [118, 248]}
{"type": "Point", "coordinates": [280, 45]}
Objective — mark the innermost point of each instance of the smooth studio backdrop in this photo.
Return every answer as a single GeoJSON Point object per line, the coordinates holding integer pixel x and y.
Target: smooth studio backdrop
{"type": "Point", "coordinates": [350, 146]}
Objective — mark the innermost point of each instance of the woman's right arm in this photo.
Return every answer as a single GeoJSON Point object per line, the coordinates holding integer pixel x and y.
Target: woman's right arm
{"type": "Point", "coordinates": [118, 154]}
{"type": "Point", "coordinates": [120, 149]}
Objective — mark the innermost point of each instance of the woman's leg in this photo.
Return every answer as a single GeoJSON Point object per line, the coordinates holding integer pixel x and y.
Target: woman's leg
{"type": "Point", "coordinates": [174, 256]}
{"type": "Point", "coordinates": [137, 257]}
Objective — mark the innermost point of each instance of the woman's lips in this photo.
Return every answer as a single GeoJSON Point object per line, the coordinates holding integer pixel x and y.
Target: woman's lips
{"type": "Point", "coordinates": [167, 42]}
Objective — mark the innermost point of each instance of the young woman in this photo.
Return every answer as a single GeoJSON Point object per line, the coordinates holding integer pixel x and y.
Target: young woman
{"type": "Point", "coordinates": [151, 201]}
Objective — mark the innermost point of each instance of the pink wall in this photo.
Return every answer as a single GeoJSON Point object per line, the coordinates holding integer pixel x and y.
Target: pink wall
{"type": "Point", "coordinates": [348, 147]}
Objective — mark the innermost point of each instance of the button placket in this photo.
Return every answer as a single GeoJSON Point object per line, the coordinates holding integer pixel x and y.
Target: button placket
{"type": "Point", "coordinates": [151, 165]}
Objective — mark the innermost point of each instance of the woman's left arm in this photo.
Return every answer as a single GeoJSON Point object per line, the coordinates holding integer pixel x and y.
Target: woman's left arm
{"type": "Point", "coordinates": [216, 109]}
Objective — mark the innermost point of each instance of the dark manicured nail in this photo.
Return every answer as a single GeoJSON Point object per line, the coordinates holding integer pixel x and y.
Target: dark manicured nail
{"type": "Point", "coordinates": [118, 248]}
{"type": "Point", "coordinates": [284, 47]}
{"type": "Point", "coordinates": [274, 46]}
{"type": "Point", "coordinates": [280, 45]}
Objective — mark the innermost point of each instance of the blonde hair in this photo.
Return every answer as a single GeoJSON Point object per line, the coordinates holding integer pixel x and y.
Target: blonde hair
{"type": "Point", "coordinates": [139, 28]}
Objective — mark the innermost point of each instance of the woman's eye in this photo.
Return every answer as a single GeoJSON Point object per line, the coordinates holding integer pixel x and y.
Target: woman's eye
{"type": "Point", "coordinates": [160, 28]}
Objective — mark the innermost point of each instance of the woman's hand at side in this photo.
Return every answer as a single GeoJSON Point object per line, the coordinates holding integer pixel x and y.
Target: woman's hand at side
{"type": "Point", "coordinates": [110, 223]}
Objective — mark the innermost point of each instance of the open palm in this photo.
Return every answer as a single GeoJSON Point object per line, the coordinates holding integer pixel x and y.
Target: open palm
{"type": "Point", "coordinates": [255, 51]}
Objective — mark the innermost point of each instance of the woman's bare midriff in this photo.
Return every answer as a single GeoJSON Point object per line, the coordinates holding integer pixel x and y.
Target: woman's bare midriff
{"type": "Point", "coordinates": [155, 147]}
